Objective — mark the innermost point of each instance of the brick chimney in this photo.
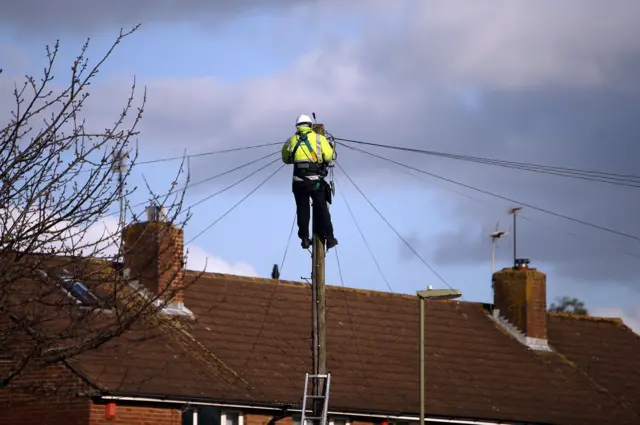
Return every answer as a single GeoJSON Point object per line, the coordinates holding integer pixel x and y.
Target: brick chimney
{"type": "Point", "coordinates": [153, 255]}
{"type": "Point", "coordinates": [520, 303]}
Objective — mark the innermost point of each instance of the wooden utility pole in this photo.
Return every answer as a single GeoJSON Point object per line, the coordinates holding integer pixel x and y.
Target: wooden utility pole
{"type": "Point", "coordinates": [319, 309]}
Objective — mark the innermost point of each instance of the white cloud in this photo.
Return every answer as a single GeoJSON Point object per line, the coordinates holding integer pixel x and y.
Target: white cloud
{"type": "Point", "coordinates": [629, 315]}
{"type": "Point", "coordinates": [544, 76]}
{"type": "Point", "coordinates": [200, 260]}
{"type": "Point", "coordinates": [102, 239]}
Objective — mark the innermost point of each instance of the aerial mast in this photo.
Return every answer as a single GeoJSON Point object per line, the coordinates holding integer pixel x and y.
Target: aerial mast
{"type": "Point", "coordinates": [514, 211]}
{"type": "Point", "coordinates": [118, 166]}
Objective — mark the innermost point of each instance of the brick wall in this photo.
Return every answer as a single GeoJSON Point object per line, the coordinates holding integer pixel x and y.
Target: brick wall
{"type": "Point", "coordinates": [521, 297]}
{"type": "Point", "coordinates": [153, 251]}
{"type": "Point", "coordinates": [47, 396]}
{"type": "Point", "coordinates": [251, 418]}
{"type": "Point", "coordinates": [135, 415]}
{"type": "Point", "coordinates": [262, 419]}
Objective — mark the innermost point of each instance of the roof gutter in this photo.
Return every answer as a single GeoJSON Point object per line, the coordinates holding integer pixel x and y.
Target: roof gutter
{"type": "Point", "coordinates": [261, 406]}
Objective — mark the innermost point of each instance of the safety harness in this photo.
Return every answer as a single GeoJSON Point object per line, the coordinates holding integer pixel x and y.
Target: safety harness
{"type": "Point", "coordinates": [303, 171]}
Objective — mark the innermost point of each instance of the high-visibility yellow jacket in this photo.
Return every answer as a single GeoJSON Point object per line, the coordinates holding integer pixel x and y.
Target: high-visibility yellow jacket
{"type": "Point", "coordinates": [307, 153]}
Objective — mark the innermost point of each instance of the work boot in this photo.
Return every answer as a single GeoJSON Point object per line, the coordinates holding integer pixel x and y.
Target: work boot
{"type": "Point", "coordinates": [306, 243]}
{"type": "Point", "coordinates": [331, 242]}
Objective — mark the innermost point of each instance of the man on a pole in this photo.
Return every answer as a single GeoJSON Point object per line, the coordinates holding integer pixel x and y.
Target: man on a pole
{"type": "Point", "coordinates": [310, 153]}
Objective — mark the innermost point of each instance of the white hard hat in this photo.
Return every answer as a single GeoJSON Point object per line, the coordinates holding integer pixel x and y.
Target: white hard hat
{"type": "Point", "coordinates": [303, 119]}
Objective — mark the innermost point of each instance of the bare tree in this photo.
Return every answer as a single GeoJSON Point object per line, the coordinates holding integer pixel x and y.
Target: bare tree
{"type": "Point", "coordinates": [57, 188]}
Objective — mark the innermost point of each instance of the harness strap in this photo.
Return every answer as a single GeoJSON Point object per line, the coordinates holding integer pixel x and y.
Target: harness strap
{"type": "Point", "coordinates": [303, 138]}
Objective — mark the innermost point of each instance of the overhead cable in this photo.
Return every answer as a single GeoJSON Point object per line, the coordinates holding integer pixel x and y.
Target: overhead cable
{"type": "Point", "coordinates": [617, 179]}
{"type": "Point", "coordinates": [216, 221]}
{"type": "Point", "coordinates": [384, 278]}
{"type": "Point", "coordinates": [233, 184]}
{"type": "Point", "coordinates": [486, 192]}
{"type": "Point", "coordinates": [215, 152]}
{"type": "Point", "coordinates": [394, 229]}
{"type": "Point", "coordinates": [208, 179]}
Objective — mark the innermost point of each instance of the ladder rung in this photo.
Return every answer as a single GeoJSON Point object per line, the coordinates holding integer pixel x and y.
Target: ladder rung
{"type": "Point", "coordinates": [319, 376]}
{"type": "Point", "coordinates": [311, 418]}
{"type": "Point", "coordinates": [316, 396]}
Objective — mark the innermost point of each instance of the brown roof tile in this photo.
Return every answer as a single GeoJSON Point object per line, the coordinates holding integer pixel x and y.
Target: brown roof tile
{"type": "Point", "coordinates": [474, 369]}
{"type": "Point", "coordinates": [251, 341]}
{"type": "Point", "coordinates": [155, 356]}
{"type": "Point", "coordinates": [605, 349]}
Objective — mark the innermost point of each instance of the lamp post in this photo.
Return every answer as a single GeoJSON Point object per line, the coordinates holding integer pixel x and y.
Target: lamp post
{"type": "Point", "coordinates": [434, 295]}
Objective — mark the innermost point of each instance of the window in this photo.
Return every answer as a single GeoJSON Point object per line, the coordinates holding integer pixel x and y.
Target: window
{"type": "Point", "coordinates": [296, 418]}
{"type": "Point", "coordinates": [339, 420]}
{"type": "Point", "coordinates": [78, 290]}
{"type": "Point", "coordinates": [211, 415]}
{"type": "Point", "coordinates": [231, 417]}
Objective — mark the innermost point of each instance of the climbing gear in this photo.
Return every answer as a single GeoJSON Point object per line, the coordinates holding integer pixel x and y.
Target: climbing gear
{"type": "Point", "coordinates": [302, 138]}
{"type": "Point", "coordinates": [323, 398]}
{"type": "Point", "coordinates": [303, 119]}
{"type": "Point", "coordinates": [307, 170]}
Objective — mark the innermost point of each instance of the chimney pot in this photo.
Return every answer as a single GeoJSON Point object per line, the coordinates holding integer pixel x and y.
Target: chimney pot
{"type": "Point", "coordinates": [157, 213]}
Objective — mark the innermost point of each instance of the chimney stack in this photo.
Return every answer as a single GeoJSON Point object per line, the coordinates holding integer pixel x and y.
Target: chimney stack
{"type": "Point", "coordinates": [520, 299]}
{"type": "Point", "coordinates": [153, 255]}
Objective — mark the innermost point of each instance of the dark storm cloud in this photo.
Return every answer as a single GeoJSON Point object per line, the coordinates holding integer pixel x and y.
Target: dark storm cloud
{"type": "Point", "coordinates": [594, 129]}
{"type": "Point", "coordinates": [556, 89]}
{"type": "Point", "coordinates": [70, 16]}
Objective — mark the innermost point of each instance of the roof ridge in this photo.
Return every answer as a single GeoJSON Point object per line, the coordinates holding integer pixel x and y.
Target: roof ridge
{"type": "Point", "coordinates": [576, 316]}
{"type": "Point", "coordinates": [270, 281]}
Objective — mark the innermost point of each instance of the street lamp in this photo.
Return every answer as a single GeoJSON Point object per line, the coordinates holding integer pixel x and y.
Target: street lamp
{"type": "Point", "coordinates": [434, 295]}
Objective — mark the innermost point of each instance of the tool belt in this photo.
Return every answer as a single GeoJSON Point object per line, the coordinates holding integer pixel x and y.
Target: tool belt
{"type": "Point", "coordinates": [305, 170]}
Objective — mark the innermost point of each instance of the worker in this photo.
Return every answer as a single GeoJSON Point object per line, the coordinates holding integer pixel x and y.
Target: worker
{"type": "Point", "coordinates": [310, 153]}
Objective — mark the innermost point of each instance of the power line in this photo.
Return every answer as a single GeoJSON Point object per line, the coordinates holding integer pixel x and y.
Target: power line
{"type": "Point", "coordinates": [365, 241]}
{"type": "Point", "coordinates": [393, 228]}
{"type": "Point", "coordinates": [485, 203]}
{"type": "Point", "coordinates": [235, 205]}
{"type": "Point", "coordinates": [286, 249]}
{"type": "Point", "coordinates": [590, 175]}
{"type": "Point", "coordinates": [232, 185]}
{"type": "Point", "coordinates": [340, 271]}
{"type": "Point", "coordinates": [174, 158]}
{"type": "Point", "coordinates": [486, 192]}
{"type": "Point", "coordinates": [208, 179]}
{"type": "Point", "coordinates": [272, 297]}
{"type": "Point", "coordinates": [216, 152]}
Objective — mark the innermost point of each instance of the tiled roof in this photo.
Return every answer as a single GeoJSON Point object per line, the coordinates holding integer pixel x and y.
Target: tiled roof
{"type": "Point", "coordinates": [474, 369]}
{"type": "Point", "coordinates": [159, 359]}
{"type": "Point", "coordinates": [605, 349]}
{"type": "Point", "coordinates": [154, 356]}
{"type": "Point", "coordinates": [250, 341]}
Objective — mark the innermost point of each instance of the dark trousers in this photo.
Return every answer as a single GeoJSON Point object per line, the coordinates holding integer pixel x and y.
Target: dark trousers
{"type": "Point", "coordinates": [322, 225]}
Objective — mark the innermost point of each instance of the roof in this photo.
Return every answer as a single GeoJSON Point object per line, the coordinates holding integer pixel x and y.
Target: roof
{"type": "Point", "coordinates": [152, 355]}
{"type": "Point", "coordinates": [474, 368]}
{"type": "Point", "coordinates": [250, 342]}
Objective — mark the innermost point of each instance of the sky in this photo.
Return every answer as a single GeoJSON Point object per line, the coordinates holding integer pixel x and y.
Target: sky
{"type": "Point", "coordinates": [515, 80]}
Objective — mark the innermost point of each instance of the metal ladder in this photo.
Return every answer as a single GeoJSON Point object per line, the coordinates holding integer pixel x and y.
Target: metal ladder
{"type": "Point", "coordinates": [324, 397]}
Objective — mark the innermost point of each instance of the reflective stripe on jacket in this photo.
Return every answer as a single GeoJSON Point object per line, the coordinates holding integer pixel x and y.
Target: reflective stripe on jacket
{"type": "Point", "coordinates": [306, 158]}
